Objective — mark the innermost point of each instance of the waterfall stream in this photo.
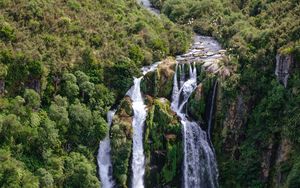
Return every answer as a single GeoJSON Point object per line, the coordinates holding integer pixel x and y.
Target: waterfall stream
{"type": "Point", "coordinates": [140, 113]}
{"type": "Point", "coordinates": [200, 167]}
{"type": "Point", "coordinates": [199, 163]}
{"type": "Point", "coordinates": [139, 117]}
{"type": "Point", "coordinates": [103, 158]}
{"type": "Point", "coordinates": [211, 110]}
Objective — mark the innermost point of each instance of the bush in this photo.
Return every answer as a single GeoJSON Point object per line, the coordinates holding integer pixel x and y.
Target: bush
{"type": "Point", "coordinates": [7, 32]}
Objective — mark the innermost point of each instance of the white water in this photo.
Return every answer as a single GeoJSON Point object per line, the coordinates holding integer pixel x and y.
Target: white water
{"type": "Point", "coordinates": [140, 113]}
{"type": "Point", "coordinates": [200, 167]}
{"type": "Point", "coordinates": [139, 117]}
{"type": "Point", "coordinates": [103, 158]}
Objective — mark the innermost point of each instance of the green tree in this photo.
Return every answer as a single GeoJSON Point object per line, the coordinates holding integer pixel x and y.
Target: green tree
{"type": "Point", "coordinates": [58, 112]}
{"type": "Point", "coordinates": [81, 124]}
{"type": "Point", "coordinates": [70, 87]}
{"type": "Point", "coordinates": [14, 174]}
{"type": "Point", "coordinates": [80, 172]}
{"type": "Point", "coordinates": [32, 99]}
{"type": "Point", "coordinates": [48, 138]}
{"type": "Point", "coordinates": [100, 126]}
{"type": "Point", "coordinates": [45, 178]}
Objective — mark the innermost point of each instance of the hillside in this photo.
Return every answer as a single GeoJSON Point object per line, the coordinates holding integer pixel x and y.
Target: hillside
{"type": "Point", "coordinates": [220, 109]}
{"type": "Point", "coordinates": [63, 64]}
{"type": "Point", "coordinates": [257, 126]}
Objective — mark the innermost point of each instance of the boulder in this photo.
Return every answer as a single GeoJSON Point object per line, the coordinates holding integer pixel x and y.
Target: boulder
{"type": "Point", "coordinates": [159, 83]}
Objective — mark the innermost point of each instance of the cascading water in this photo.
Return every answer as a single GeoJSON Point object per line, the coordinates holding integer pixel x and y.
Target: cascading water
{"type": "Point", "coordinates": [139, 117]}
{"type": "Point", "coordinates": [140, 113]}
{"type": "Point", "coordinates": [200, 167]}
{"type": "Point", "coordinates": [211, 110]}
{"type": "Point", "coordinates": [103, 158]}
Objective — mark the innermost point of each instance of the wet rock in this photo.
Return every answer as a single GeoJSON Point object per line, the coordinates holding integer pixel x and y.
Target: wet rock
{"type": "Point", "coordinates": [222, 51]}
{"type": "Point", "coordinates": [284, 67]}
{"type": "Point", "coordinates": [267, 161]}
{"type": "Point", "coordinates": [213, 68]}
{"type": "Point", "coordinates": [159, 83]}
{"type": "Point", "coordinates": [163, 146]}
{"type": "Point", "coordinates": [282, 160]}
{"type": "Point", "coordinates": [232, 133]}
{"type": "Point", "coordinates": [210, 53]}
{"type": "Point", "coordinates": [196, 103]}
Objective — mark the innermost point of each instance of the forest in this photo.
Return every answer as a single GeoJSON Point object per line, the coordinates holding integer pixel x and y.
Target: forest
{"type": "Point", "coordinates": [65, 63]}
{"type": "Point", "coordinates": [264, 146]}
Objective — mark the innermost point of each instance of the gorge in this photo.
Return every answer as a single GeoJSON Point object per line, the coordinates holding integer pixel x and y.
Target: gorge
{"type": "Point", "coordinates": [199, 163]}
{"type": "Point", "coordinates": [149, 93]}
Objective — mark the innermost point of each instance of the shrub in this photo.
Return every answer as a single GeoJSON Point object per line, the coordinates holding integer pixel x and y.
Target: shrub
{"type": "Point", "coordinates": [7, 32]}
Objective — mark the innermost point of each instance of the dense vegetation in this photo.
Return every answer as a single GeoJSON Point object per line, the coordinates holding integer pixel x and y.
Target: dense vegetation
{"type": "Point", "coordinates": [163, 145]}
{"type": "Point", "coordinates": [253, 31]}
{"type": "Point", "coordinates": [63, 64]}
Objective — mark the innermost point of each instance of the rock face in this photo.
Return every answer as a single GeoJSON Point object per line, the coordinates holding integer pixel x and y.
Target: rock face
{"type": "Point", "coordinates": [121, 142]}
{"type": "Point", "coordinates": [159, 83]}
{"type": "Point", "coordinates": [163, 146]}
{"type": "Point", "coordinates": [228, 132]}
{"type": "Point", "coordinates": [196, 104]}
{"type": "Point", "coordinates": [282, 159]}
{"type": "Point", "coordinates": [2, 87]}
{"type": "Point", "coordinates": [284, 67]}
{"type": "Point", "coordinates": [233, 125]}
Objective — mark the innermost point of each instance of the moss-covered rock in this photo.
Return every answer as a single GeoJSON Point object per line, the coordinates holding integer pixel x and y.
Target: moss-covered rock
{"type": "Point", "coordinates": [149, 84]}
{"type": "Point", "coordinates": [163, 146]}
{"type": "Point", "coordinates": [125, 109]}
{"type": "Point", "coordinates": [159, 83]}
{"type": "Point", "coordinates": [121, 142]}
{"type": "Point", "coordinates": [198, 104]}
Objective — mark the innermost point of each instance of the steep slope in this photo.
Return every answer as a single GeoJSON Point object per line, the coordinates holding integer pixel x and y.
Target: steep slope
{"type": "Point", "coordinates": [257, 120]}
{"type": "Point", "coordinates": [63, 64]}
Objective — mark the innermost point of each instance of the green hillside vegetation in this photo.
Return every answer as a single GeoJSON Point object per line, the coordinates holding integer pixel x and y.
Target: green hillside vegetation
{"type": "Point", "coordinates": [253, 31]}
{"type": "Point", "coordinates": [63, 64]}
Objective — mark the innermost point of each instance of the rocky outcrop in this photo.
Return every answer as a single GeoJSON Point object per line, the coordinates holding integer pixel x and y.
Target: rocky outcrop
{"type": "Point", "coordinates": [159, 83]}
{"type": "Point", "coordinates": [228, 129]}
{"type": "Point", "coordinates": [281, 163]}
{"type": "Point", "coordinates": [284, 67]}
{"type": "Point", "coordinates": [163, 146]}
{"type": "Point", "coordinates": [196, 104]}
{"type": "Point", "coordinates": [2, 87]}
{"type": "Point", "coordinates": [121, 142]}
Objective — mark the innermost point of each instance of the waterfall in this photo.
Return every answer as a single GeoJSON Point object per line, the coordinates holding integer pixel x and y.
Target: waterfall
{"type": "Point", "coordinates": [175, 98]}
{"type": "Point", "coordinates": [139, 117]}
{"type": "Point", "coordinates": [211, 110]}
{"type": "Point", "coordinates": [103, 158]}
{"type": "Point", "coordinates": [200, 167]}
{"type": "Point", "coordinates": [140, 113]}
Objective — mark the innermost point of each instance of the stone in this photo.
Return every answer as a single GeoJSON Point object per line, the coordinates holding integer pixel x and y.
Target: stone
{"type": "Point", "coordinates": [284, 64]}
{"type": "Point", "coordinates": [159, 83]}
